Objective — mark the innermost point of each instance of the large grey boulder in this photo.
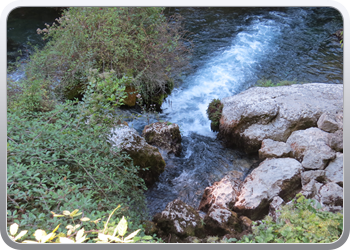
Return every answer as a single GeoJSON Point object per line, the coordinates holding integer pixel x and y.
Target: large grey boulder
{"type": "Point", "coordinates": [144, 155]}
{"type": "Point", "coordinates": [274, 113]}
{"type": "Point", "coordinates": [274, 177]}
{"type": "Point", "coordinates": [310, 146]}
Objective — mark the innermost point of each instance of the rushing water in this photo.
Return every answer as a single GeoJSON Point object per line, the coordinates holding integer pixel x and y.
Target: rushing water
{"type": "Point", "coordinates": [234, 48]}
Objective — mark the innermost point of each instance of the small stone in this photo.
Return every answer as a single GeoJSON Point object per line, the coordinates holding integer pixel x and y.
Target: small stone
{"type": "Point", "coordinates": [273, 149]}
{"type": "Point", "coordinates": [327, 122]}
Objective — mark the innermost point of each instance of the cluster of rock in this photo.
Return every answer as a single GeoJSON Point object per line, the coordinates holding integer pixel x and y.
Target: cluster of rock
{"type": "Point", "coordinates": [297, 131]}
{"type": "Point", "coordinates": [144, 150]}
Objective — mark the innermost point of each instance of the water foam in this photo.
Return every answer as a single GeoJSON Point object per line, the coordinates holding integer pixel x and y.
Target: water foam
{"type": "Point", "coordinates": [223, 75]}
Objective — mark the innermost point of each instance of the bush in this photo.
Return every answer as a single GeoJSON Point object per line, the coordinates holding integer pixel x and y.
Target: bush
{"type": "Point", "coordinates": [30, 95]}
{"type": "Point", "coordinates": [302, 221]}
{"type": "Point", "coordinates": [100, 234]}
{"type": "Point", "coordinates": [57, 161]}
{"type": "Point", "coordinates": [138, 43]}
{"type": "Point", "coordinates": [214, 113]}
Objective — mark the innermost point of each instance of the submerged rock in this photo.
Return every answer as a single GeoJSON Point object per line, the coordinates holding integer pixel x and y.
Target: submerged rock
{"type": "Point", "coordinates": [144, 155]}
{"type": "Point", "coordinates": [274, 113]}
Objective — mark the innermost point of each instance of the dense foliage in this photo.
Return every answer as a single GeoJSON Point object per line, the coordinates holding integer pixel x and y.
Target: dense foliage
{"type": "Point", "coordinates": [58, 160]}
{"type": "Point", "coordinates": [140, 44]}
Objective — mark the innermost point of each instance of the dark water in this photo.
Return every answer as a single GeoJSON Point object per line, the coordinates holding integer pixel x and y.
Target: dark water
{"type": "Point", "coordinates": [22, 24]}
{"type": "Point", "coordinates": [234, 48]}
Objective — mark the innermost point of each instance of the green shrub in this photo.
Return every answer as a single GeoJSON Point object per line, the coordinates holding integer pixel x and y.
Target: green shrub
{"type": "Point", "coordinates": [30, 95]}
{"type": "Point", "coordinates": [58, 161]}
{"type": "Point", "coordinates": [136, 42]}
{"type": "Point", "coordinates": [214, 113]}
{"type": "Point", "coordinates": [302, 221]}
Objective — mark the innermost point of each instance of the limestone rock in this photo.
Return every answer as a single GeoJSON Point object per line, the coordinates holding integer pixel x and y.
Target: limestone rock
{"type": "Point", "coordinates": [143, 154]}
{"type": "Point", "coordinates": [310, 147]}
{"type": "Point", "coordinates": [327, 122]}
{"type": "Point", "coordinates": [275, 205]}
{"type": "Point", "coordinates": [274, 113]}
{"type": "Point", "coordinates": [273, 149]}
{"type": "Point", "coordinates": [331, 194]}
{"type": "Point", "coordinates": [180, 219]}
{"type": "Point", "coordinates": [335, 140]}
{"type": "Point", "coordinates": [274, 177]}
{"type": "Point", "coordinates": [220, 221]}
{"type": "Point", "coordinates": [318, 175]}
{"type": "Point", "coordinates": [165, 136]}
{"type": "Point", "coordinates": [311, 189]}
{"type": "Point", "coordinates": [223, 193]}
{"type": "Point", "coordinates": [334, 170]}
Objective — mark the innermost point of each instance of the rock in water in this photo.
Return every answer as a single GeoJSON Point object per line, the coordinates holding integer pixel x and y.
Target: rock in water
{"type": "Point", "coordinates": [144, 155]}
{"type": "Point", "coordinates": [164, 135]}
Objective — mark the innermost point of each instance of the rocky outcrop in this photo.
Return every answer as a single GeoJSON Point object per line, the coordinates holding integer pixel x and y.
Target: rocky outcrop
{"type": "Point", "coordinates": [274, 177]}
{"type": "Point", "coordinates": [297, 131]}
{"type": "Point", "coordinates": [274, 113]}
{"type": "Point", "coordinates": [164, 135]}
{"type": "Point", "coordinates": [144, 155]}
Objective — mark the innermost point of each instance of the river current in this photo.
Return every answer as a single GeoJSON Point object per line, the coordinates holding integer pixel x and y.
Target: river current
{"type": "Point", "coordinates": [234, 49]}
